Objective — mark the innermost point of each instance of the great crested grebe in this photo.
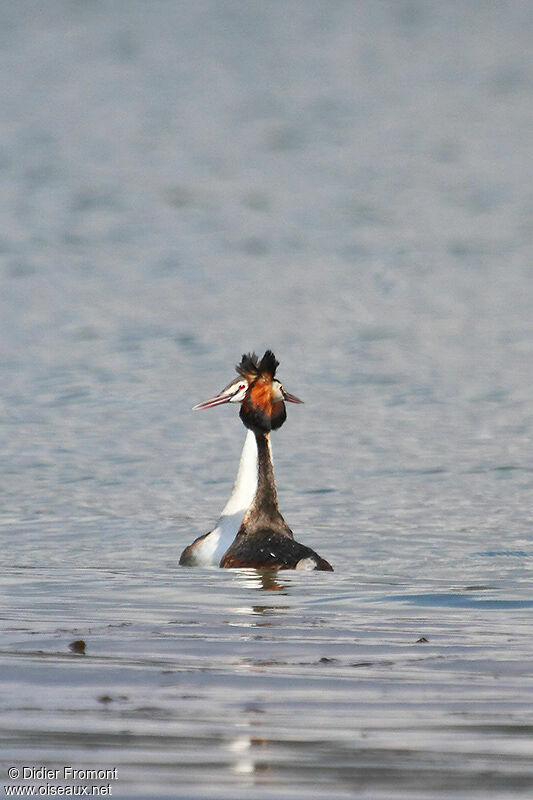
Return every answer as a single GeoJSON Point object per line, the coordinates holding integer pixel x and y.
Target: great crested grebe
{"type": "Point", "coordinates": [208, 549]}
{"type": "Point", "coordinates": [264, 540]}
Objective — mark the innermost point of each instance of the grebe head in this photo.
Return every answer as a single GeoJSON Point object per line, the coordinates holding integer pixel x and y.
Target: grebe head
{"type": "Point", "coordinates": [279, 393]}
{"type": "Point", "coordinates": [261, 394]}
{"type": "Point", "coordinates": [234, 392]}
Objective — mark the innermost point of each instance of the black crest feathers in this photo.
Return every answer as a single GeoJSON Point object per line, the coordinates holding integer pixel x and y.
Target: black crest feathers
{"type": "Point", "coordinates": [249, 366]}
{"type": "Point", "coordinates": [268, 364]}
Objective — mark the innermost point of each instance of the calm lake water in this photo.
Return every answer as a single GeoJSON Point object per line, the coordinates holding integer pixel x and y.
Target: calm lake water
{"type": "Point", "coordinates": [349, 184]}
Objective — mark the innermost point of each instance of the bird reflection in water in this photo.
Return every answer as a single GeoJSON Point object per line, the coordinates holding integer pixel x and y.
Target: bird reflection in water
{"type": "Point", "coordinates": [264, 581]}
{"type": "Point", "coordinates": [247, 747]}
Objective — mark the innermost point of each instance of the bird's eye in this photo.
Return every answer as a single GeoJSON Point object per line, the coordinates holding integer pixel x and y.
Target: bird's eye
{"type": "Point", "coordinates": [241, 387]}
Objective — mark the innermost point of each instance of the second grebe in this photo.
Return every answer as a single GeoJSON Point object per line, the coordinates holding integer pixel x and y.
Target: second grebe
{"type": "Point", "coordinates": [264, 540]}
{"type": "Point", "coordinates": [208, 549]}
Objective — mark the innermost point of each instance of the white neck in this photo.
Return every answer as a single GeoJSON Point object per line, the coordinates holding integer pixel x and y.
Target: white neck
{"type": "Point", "coordinates": [246, 480]}
{"type": "Point", "coordinates": [206, 551]}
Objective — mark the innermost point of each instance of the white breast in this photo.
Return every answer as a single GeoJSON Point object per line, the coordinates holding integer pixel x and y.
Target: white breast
{"type": "Point", "coordinates": [208, 550]}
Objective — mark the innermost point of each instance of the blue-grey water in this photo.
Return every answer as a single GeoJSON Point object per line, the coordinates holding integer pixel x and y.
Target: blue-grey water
{"type": "Point", "coordinates": [350, 184]}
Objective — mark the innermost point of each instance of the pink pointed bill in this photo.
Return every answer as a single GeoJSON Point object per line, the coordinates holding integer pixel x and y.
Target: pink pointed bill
{"type": "Point", "coordinates": [290, 398]}
{"type": "Point", "coordinates": [223, 397]}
